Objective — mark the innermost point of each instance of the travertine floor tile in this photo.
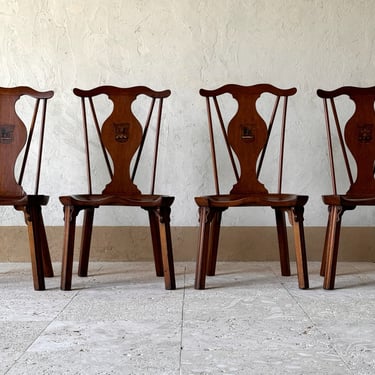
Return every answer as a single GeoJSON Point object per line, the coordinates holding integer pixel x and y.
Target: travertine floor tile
{"type": "Point", "coordinates": [249, 320]}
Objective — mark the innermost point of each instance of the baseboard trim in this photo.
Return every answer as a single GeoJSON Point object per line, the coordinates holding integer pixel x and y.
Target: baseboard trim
{"type": "Point", "coordinates": [236, 243]}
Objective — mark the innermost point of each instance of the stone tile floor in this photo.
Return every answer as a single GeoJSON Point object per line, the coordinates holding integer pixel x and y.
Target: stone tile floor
{"type": "Point", "coordinates": [249, 320]}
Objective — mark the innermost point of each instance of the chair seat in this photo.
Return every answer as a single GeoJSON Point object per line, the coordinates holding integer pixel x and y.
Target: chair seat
{"type": "Point", "coordinates": [25, 200]}
{"type": "Point", "coordinates": [234, 200]}
{"type": "Point", "coordinates": [96, 200]}
{"type": "Point", "coordinates": [348, 200]}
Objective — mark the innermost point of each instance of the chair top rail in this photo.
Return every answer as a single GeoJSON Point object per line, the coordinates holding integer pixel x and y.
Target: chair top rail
{"type": "Point", "coordinates": [25, 90]}
{"type": "Point", "coordinates": [135, 90]}
{"type": "Point", "coordinates": [346, 90]}
{"type": "Point", "coordinates": [255, 89]}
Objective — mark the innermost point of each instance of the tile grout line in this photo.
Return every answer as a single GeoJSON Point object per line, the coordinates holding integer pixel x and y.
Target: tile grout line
{"type": "Point", "coordinates": [49, 322]}
{"type": "Point", "coordinates": [325, 334]}
{"type": "Point", "coordinates": [182, 322]}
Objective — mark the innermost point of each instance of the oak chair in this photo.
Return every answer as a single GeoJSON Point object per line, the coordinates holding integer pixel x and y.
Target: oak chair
{"type": "Point", "coordinates": [246, 136]}
{"type": "Point", "coordinates": [121, 139]}
{"type": "Point", "coordinates": [16, 140]}
{"type": "Point", "coordinates": [355, 132]}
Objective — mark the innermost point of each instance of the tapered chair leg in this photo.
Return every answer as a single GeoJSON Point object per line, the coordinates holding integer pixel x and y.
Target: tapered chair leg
{"type": "Point", "coordinates": [156, 245]}
{"type": "Point", "coordinates": [32, 218]}
{"type": "Point", "coordinates": [324, 255]}
{"type": "Point", "coordinates": [333, 234]}
{"type": "Point", "coordinates": [202, 257]}
{"type": "Point", "coordinates": [213, 242]}
{"type": "Point", "coordinates": [83, 264]}
{"type": "Point", "coordinates": [166, 247]}
{"type": "Point", "coordinates": [68, 247]}
{"type": "Point", "coordinates": [296, 218]}
{"type": "Point", "coordinates": [282, 236]}
{"type": "Point", "coordinates": [47, 263]}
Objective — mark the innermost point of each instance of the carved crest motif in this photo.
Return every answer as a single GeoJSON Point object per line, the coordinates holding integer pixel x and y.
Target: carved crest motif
{"type": "Point", "coordinates": [365, 133]}
{"type": "Point", "coordinates": [121, 132]}
{"type": "Point", "coordinates": [6, 134]}
{"type": "Point", "coordinates": [248, 133]}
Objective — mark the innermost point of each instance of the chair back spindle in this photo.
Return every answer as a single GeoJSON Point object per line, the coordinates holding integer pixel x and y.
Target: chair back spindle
{"type": "Point", "coordinates": [282, 143]}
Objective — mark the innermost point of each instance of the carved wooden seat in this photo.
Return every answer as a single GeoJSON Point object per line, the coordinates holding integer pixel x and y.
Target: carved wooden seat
{"type": "Point", "coordinates": [355, 135]}
{"type": "Point", "coordinates": [16, 138]}
{"type": "Point", "coordinates": [246, 136]}
{"type": "Point", "coordinates": [121, 139]}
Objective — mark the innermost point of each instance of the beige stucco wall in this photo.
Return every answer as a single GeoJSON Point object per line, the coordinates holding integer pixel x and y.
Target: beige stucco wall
{"type": "Point", "coordinates": [185, 45]}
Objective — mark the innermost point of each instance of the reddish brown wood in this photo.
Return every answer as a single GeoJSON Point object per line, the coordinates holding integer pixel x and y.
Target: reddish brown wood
{"type": "Point", "coordinates": [88, 219]}
{"type": "Point", "coordinates": [156, 243]}
{"type": "Point", "coordinates": [296, 218]}
{"type": "Point", "coordinates": [205, 218]}
{"type": "Point", "coordinates": [355, 135]}
{"type": "Point", "coordinates": [15, 137]}
{"type": "Point", "coordinates": [282, 236]}
{"type": "Point", "coordinates": [32, 214]}
{"type": "Point", "coordinates": [121, 137]}
{"type": "Point", "coordinates": [47, 262]}
{"type": "Point", "coordinates": [248, 134]}
{"type": "Point", "coordinates": [213, 242]}
{"type": "Point", "coordinates": [70, 214]}
{"type": "Point", "coordinates": [166, 245]}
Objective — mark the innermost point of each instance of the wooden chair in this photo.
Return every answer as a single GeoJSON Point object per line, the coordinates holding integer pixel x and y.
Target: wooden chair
{"type": "Point", "coordinates": [121, 137]}
{"type": "Point", "coordinates": [358, 136]}
{"type": "Point", "coordinates": [246, 136]}
{"type": "Point", "coordinates": [16, 138]}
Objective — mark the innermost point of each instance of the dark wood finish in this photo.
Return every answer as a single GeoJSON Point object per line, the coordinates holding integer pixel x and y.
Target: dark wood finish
{"type": "Point", "coordinates": [246, 136]}
{"type": "Point", "coordinates": [88, 220]}
{"type": "Point", "coordinates": [282, 236]}
{"type": "Point", "coordinates": [121, 138]}
{"type": "Point", "coordinates": [355, 135]}
{"type": "Point", "coordinates": [16, 138]}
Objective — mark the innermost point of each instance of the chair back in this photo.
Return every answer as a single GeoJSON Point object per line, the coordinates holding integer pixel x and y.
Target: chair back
{"type": "Point", "coordinates": [15, 137]}
{"type": "Point", "coordinates": [356, 137]}
{"type": "Point", "coordinates": [122, 135]}
{"type": "Point", "coordinates": [246, 134]}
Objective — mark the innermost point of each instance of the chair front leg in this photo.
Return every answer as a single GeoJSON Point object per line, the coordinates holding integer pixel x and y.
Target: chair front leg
{"type": "Point", "coordinates": [205, 218]}
{"type": "Point", "coordinates": [326, 238]}
{"type": "Point", "coordinates": [47, 263]}
{"type": "Point", "coordinates": [213, 242]}
{"type": "Point", "coordinates": [166, 247]}
{"type": "Point", "coordinates": [332, 245]}
{"type": "Point", "coordinates": [156, 244]}
{"type": "Point", "coordinates": [296, 218]}
{"type": "Point", "coordinates": [33, 220]}
{"type": "Point", "coordinates": [282, 236]}
{"type": "Point", "coordinates": [70, 214]}
{"type": "Point", "coordinates": [88, 219]}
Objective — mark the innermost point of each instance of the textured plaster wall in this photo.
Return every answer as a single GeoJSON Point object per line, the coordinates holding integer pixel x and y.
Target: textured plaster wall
{"type": "Point", "coordinates": [184, 45]}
